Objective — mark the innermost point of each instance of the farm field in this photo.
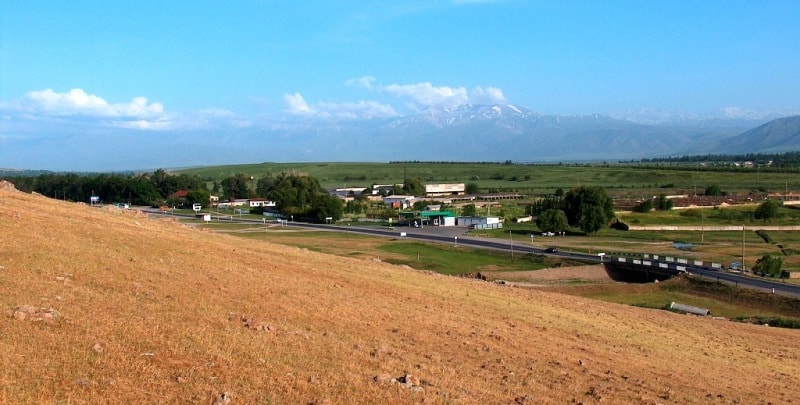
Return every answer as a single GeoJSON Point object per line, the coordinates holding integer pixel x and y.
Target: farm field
{"type": "Point", "coordinates": [630, 180]}
{"type": "Point", "coordinates": [124, 309]}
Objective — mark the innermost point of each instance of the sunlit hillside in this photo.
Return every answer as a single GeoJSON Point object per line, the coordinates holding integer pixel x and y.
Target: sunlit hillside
{"type": "Point", "coordinates": [110, 306]}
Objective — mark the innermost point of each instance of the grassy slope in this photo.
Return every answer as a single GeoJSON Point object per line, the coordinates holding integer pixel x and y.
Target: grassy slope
{"type": "Point", "coordinates": [164, 302]}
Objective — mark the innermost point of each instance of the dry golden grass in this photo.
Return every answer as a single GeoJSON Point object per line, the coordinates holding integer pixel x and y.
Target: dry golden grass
{"type": "Point", "coordinates": [151, 311]}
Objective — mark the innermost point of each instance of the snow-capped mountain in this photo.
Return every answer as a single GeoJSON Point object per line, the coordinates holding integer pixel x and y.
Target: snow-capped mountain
{"type": "Point", "coordinates": [463, 133]}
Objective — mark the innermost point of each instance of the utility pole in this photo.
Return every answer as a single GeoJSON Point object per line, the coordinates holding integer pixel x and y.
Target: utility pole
{"type": "Point", "coordinates": [511, 244]}
{"type": "Point", "coordinates": [743, 245]}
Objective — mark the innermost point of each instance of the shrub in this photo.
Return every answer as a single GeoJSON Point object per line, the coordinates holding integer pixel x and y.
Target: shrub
{"type": "Point", "coordinates": [620, 226]}
{"type": "Point", "coordinates": [765, 236]}
{"type": "Point", "coordinates": [644, 206]}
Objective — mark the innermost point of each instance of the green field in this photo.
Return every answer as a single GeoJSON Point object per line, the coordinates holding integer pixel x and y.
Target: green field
{"type": "Point", "coordinates": [441, 258]}
{"type": "Point", "coordinates": [618, 179]}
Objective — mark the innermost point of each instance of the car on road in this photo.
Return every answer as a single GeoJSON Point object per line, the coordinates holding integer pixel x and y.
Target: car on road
{"type": "Point", "coordinates": [551, 249]}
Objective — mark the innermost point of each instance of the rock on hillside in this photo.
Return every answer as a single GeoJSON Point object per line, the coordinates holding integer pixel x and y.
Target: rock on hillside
{"type": "Point", "coordinates": [154, 311]}
{"type": "Point", "coordinates": [7, 185]}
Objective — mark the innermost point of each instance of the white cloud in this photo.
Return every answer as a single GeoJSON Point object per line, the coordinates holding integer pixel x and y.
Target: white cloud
{"type": "Point", "coordinates": [48, 108]}
{"type": "Point", "coordinates": [358, 109]}
{"type": "Point", "coordinates": [428, 95]}
{"type": "Point", "coordinates": [425, 94]}
{"type": "Point", "coordinates": [78, 102]}
{"type": "Point", "coordinates": [348, 110]}
{"type": "Point", "coordinates": [489, 95]}
{"type": "Point", "coordinates": [297, 104]}
{"type": "Point", "coordinates": [366, 82]}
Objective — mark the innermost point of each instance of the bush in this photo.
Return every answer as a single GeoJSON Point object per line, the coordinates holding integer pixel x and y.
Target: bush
{"type": "Point", "coordinates": [765, 236]}
{"type": "Point", "coordinates": [644, 206]}
{"type": "Point", "coordinates": [620, 226]}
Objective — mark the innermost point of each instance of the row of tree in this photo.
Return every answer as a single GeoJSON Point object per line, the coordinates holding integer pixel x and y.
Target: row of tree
{"type": "Point", "coordinates": [144, 189]}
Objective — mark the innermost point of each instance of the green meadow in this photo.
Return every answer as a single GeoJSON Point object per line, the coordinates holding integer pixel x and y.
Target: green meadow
{"type": "Point", "coordinates": [630, 179]}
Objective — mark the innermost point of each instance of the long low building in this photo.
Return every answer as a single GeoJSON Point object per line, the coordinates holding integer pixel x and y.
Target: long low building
{"type": "Point", "coordinates": [441, 190]}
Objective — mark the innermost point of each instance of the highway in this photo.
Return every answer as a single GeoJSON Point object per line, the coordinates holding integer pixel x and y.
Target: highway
{"type": "Point", "coordinates": [453, 235]}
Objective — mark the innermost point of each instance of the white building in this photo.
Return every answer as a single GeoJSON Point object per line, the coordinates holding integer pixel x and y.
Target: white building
{"type": "Point", "coordinates": [480, 222]}
{"type": "Point", "coordinates": [399, 201]}
{"type": "Point", "coordinates": [441, 190]}
{"type": "Point", "coordinates": [261, 202]}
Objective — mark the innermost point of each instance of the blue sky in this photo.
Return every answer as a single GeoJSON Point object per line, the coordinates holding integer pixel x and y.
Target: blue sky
{"type": "Point", "coordinates": [187, 65]}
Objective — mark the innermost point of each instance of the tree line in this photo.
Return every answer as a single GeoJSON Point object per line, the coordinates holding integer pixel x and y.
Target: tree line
{"type": "Point", "coordinates": [142, 189]}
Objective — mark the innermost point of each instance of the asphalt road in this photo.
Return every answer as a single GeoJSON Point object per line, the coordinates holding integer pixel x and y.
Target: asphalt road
{"type": "Point", "coordinates": [455, 235]}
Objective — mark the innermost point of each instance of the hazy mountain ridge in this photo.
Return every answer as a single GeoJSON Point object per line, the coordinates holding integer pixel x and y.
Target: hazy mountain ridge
{"type": "Point", "coordinates": [780, 135]}
{"type": "Point", "coordinates": [467, 132]}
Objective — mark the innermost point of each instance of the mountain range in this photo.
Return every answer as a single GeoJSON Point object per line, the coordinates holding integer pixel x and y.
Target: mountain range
{"type": "Point", "coordinates": [464, 133]}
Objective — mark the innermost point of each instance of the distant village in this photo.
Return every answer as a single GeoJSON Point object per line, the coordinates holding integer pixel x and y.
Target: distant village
{"type": "Point", "coordinates": [433, 214]}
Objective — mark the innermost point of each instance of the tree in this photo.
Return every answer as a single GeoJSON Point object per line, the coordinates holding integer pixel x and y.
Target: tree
{"type": "Point", "coordinates": [767, 210]}
{"type": "Point", "coordinates": [714, 191]}
{"type": "Point", "coordinates": [413, 186]}
{"type": "Point", "coordinates": [236, 186]}
{"type": "Point", "coordinates": [768, 265]}
{"type": "Point", "coordinates": [663, 203]}
{"type": "Point", "coordinates": [552, 220]}
{"type": "Point", "coordinates": [469, 210]}
{"type": "Point", "coordinates": [202, 197]}
{"type": "Point", "coordinates": [302, 196]}
{"type": "Point", "coordinates": [588, 208]}
{"type": "Point", "coordinates": [644, 206]}
{"type": "Point", "coordinates": [471, 188]}
{"type": "Point", "coordinates": [326, 206]}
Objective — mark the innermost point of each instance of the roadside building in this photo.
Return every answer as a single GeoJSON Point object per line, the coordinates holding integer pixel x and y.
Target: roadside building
{"type": "Point", "coordinates": [428, 218]}
{"type": "Point", "coordinates": [385, 189]}
{"type": "Point", "coordinates": [443, 190]}
{"type": "Point", "coordinates": [348, 193]}
{"type": "Point", "coordinates": [261, 202]}
{"type": "Point", "coordinates": [399, 201]}
{"type": "Point", "coordinates": [480, 222]}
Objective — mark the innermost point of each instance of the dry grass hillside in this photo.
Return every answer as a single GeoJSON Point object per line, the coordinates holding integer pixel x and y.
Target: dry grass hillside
{"type": "Point", "coordinates": [107, 306]}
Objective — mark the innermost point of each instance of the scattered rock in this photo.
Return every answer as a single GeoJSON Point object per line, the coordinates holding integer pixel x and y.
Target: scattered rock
{"type": "Point", "coordinates": [407, 381]}
{"type": "Point", "coordinates": [222, 399]}
{"type": "Point", "coordinates": [525, 399]}
{"type": "Point", "coordinates": [97, 347]}
{"type": "Point", "coordinates": [251, 323]}
{"type": "Point", "coordinates": [33, 313]}
{"type": "Point", "coordinates": [384, 379]}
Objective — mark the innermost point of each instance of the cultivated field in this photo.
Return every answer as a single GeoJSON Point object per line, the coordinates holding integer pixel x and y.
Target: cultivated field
{"type": "Point", "coordinates": [106, 306]}
{"type": "Point", "coordinates": [621, 180]}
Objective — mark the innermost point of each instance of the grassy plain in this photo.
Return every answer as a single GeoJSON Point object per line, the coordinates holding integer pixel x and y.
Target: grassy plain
{"type": "Point", "coordinates": [443, 259]}
{"type": "Point", "coordinates": [145, 310]}
{"type": "Point", "coordinates": [619, 179]}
